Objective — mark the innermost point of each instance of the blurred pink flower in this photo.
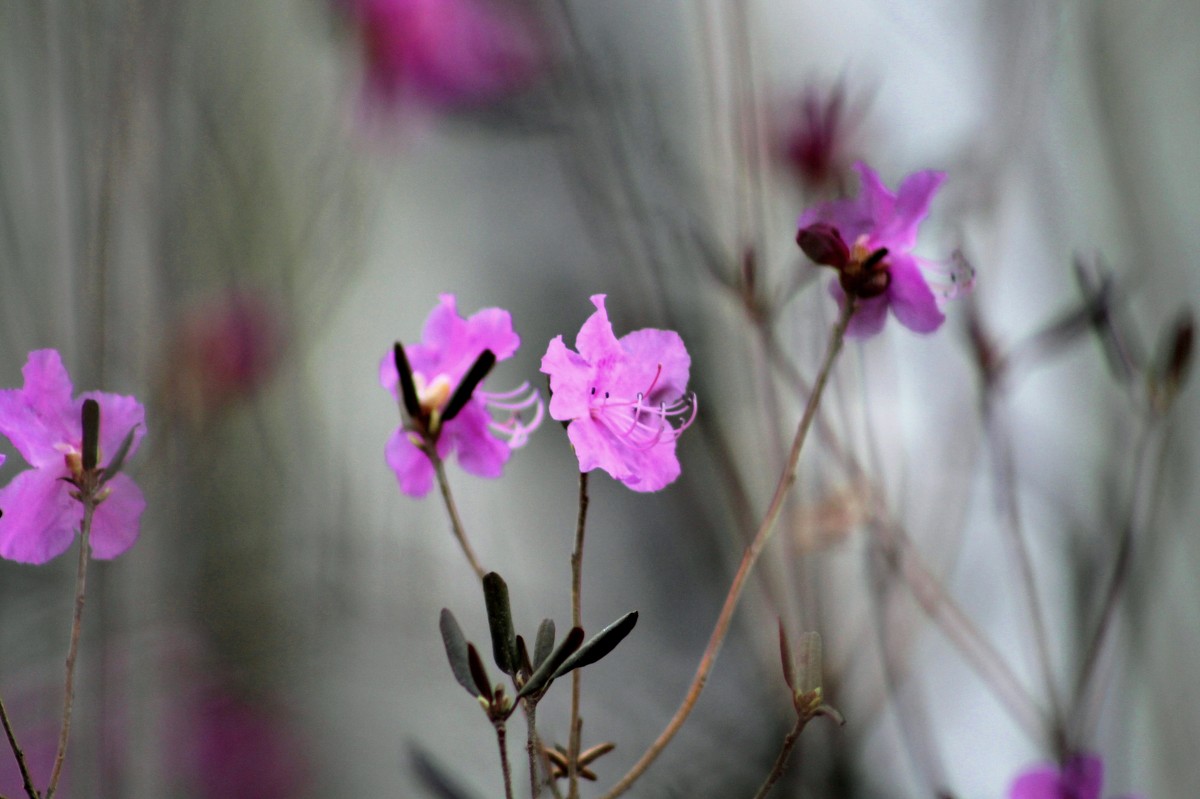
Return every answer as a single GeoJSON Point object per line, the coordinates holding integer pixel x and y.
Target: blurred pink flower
{"type": "Point", "coordinates": [450, 346]}
{"type": "Point", "coordinates": [445, 53]}
{"type": "Point", "coordinates": [1081, 777]}
{"type": "Point", "coordinates": [225, 349]}
{"type": "Point", "coordinates": [816, 140]}
{"type": "Point", "coordinates": [620, 397]}
{"type": "Point", "coordinates": [44, 424]}
{"type": "Point", "coordinates": [235, 748]}
{"type": "Point", "coordinates": [877, 266]}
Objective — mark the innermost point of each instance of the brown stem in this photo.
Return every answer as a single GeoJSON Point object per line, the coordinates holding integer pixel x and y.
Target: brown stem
{"type": "Point", "coordinates": [781, 761]}
{"type": "Point", "coordinates": [456, 524]}
{"type": "Point", "coordinates": [502, 742]}
{"type": "Point", "coordinates": [30, 791]}
{"type": "Point", "coordinates": [89, 509]}
{"type": "Point", "coordinates": [786, 479]}
{"type": "Point", "coordinates": [576, 621]}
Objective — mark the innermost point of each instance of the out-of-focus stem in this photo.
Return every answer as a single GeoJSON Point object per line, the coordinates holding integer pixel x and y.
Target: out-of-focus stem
{"type": "Point", "coordinates": [26, 779]}
{"type": "Point", "coordinates": [786, 479]}
{"type": "Point", "coordinates": [781, 761]}
{"type": "Point", "coordinates": [456, 524]}
{"type": "Point", "coordinates": [577, 621]}
{"type": "Point", "coordinates": [502, 742]}
{"type": "Point", "coordinates": [85, 530]}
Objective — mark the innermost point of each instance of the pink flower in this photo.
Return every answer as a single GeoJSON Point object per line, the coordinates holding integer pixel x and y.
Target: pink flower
{"type": "Point", "coordinates": [1081, 777]}
{"type": "Point", "coordinates": [450, 347]}
{"type": "Point", "coordinates": [444, 53]}
{"type": "Point", "coordinates": [44, 424]}
{"type": "Point", "coordinates": [816, 140]}
{"type": "Point", "coordinates": [620, 397]}
{"type": "Point", "coordinates": [878, 266]}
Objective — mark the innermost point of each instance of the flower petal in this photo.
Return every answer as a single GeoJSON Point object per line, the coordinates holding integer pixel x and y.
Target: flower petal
{"type": "Point", "coordinates": [868, 319]}
{"type": "Point", "coordinates": [414, 471]}
{"type": "Point", "coordinates": [40, 415]}
{"type": "Point", "coordinates": [651, 349]}
{"type": "Point", "coordinates": [877, 200]}
{"type": "Point", "coordinates": [912, 301]}
{"type": "Point", "coordinates": [479, 452]}
{"type": "Point", "coordinates": [40, 517]}
{"type": "Point", "coordinates": [570, 381]}
{"type": "Point", "coordinates": [116, 523]}
{"type": "Point", "coordinates": [911, 208]}
{"type": "Point", "coordinates": [1041, 783]}
{"type": "Point", "coordinates": [1083, 776]}
{"type": "Point", "coordinates": [596, 342]}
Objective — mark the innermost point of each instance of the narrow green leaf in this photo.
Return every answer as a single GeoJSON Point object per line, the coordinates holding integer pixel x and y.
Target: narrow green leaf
{"type": "Point", "coordinates": [456, 650]}
{"type": "Point", "coordinates": [600, 644]}
{"type": "Point", "coordinates": [810, 663]}
{"type": "Point", "coordinates": [523, 664]}
{"type": "Point", "coordinates": [785, 654]}
{"type": "Point", "coordinates": [479, 674]}
{"type": "Point", "coordinates": [118, 460]}
{"type": "Point", "coordinates": [504, 643]}
{"type": "Point", "coordinates": [546, 672]}
{"type": "Point", "coordinates": [545, 642]}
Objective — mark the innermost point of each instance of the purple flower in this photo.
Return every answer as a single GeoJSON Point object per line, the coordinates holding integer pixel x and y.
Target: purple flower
{"type": "Point", "coordinates": [44, 424]}
{"type": "Point", "coordinates": [450, 346]}
{"type": "Point", "coordinates": [444, 53]}
{"type": "Point", "coordinates": [620, 397]}
{"type": "Point", "coordinates": [1081, 777]}
{"type": "Point", "coordinates": [877, 265]}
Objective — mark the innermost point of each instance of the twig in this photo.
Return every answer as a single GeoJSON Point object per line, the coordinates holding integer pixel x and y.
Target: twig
{"type": "Point", "coordinates": [30, 791]}
{"type": "Point", "coordinates": [456, 524]}
{"type": "Point", "coordinates": [721, 628]}
{"type": "Point", "coordinates": [781, 761]}
{"type": "Point", "coordinates": [577, 621]}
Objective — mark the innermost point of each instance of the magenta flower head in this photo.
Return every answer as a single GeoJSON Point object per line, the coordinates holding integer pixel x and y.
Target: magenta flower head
{"type": "Point", "coordinates": [445, 53]}
{"type": "Point", "coordinates": [436, 382]}
{"type": "Point", "coordinates": [1081, 777]}
{"type": "Point", "coordinates": [869, 241]}
{"type": "Point", "coordinates": [42, 509]}
{"type": "Point", "coordinates": [620, 397]}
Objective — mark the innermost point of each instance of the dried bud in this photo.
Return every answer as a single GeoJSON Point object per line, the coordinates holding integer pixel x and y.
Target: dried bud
{"type": "Point", "coordinates": [824, 245]}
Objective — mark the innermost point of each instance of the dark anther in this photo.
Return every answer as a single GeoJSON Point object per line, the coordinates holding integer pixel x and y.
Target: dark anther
{"type": "Point", "coordinates": [408, 391]}
{"type": "Point", "coordinates": [479, 370]}
{"type": "Point", "coordinates": [91, 434]}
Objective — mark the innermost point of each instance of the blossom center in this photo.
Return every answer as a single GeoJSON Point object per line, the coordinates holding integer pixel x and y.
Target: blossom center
{"type": "Point", "coordinates": [867, 272]}
{"type": "Point", "coordinates": [639, 423]}
{"type": "Point", "coordinates": [434, 395]}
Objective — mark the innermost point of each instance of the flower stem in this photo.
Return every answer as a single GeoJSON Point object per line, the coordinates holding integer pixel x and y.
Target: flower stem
{"type": "Point", "coordinates": [781, 761]}
{"type": "Point", "coordinates": [576, 621]}
{"type": "Point", "coordinates": [456, 524]}
{"type": "Point", "coordinates": [17, 753]}
{"type": "Point", "coordinates": [502, 742]}
{"type": "Point", "coordinates": [85, 529]}
{"type": "Point", "coordinates": [749, 558]}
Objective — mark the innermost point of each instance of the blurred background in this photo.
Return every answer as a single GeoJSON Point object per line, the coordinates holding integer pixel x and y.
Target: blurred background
{"type": "Point", "coordinates": [232, 210]}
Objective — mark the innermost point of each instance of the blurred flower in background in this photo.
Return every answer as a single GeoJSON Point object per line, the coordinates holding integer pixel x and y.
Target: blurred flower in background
{"type": "Point", "coordinates": [225, 348]}
{"type": "Point", "coordinates": [445, 54]}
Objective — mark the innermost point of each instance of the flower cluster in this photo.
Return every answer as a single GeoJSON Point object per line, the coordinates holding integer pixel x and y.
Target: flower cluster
{"type": "Point", "coordinates": [436, 383]}
{"type": "Point", "coordinates": [42, 507]}
{"type": "Point", "coordinates": [620, 397]}
{"type": "Point", "coordinates": [869, 241]}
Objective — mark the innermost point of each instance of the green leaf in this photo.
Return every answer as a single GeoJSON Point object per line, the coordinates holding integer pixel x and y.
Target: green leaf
{"type": "Point", "coordinates": [545, 642]}
{"type": "Point", "coordinates": [456, 650]}
{"type": "Point", "coordinates": [547, 671]}
{"type": "Point", "coordinates": [600, 644]}
{"type": "Point", "coordinates": [118, 460]}
{"type": "Point", "coordinates": [504, 643]}
{"type": "Point", "coordinates": [523, 664]}
{"type": "Point", "coordinates": [785, 654]}
{"type": "Point", "coordinates": [810, 663]}
{"type": "Point", "coordinates": [479, 674]}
